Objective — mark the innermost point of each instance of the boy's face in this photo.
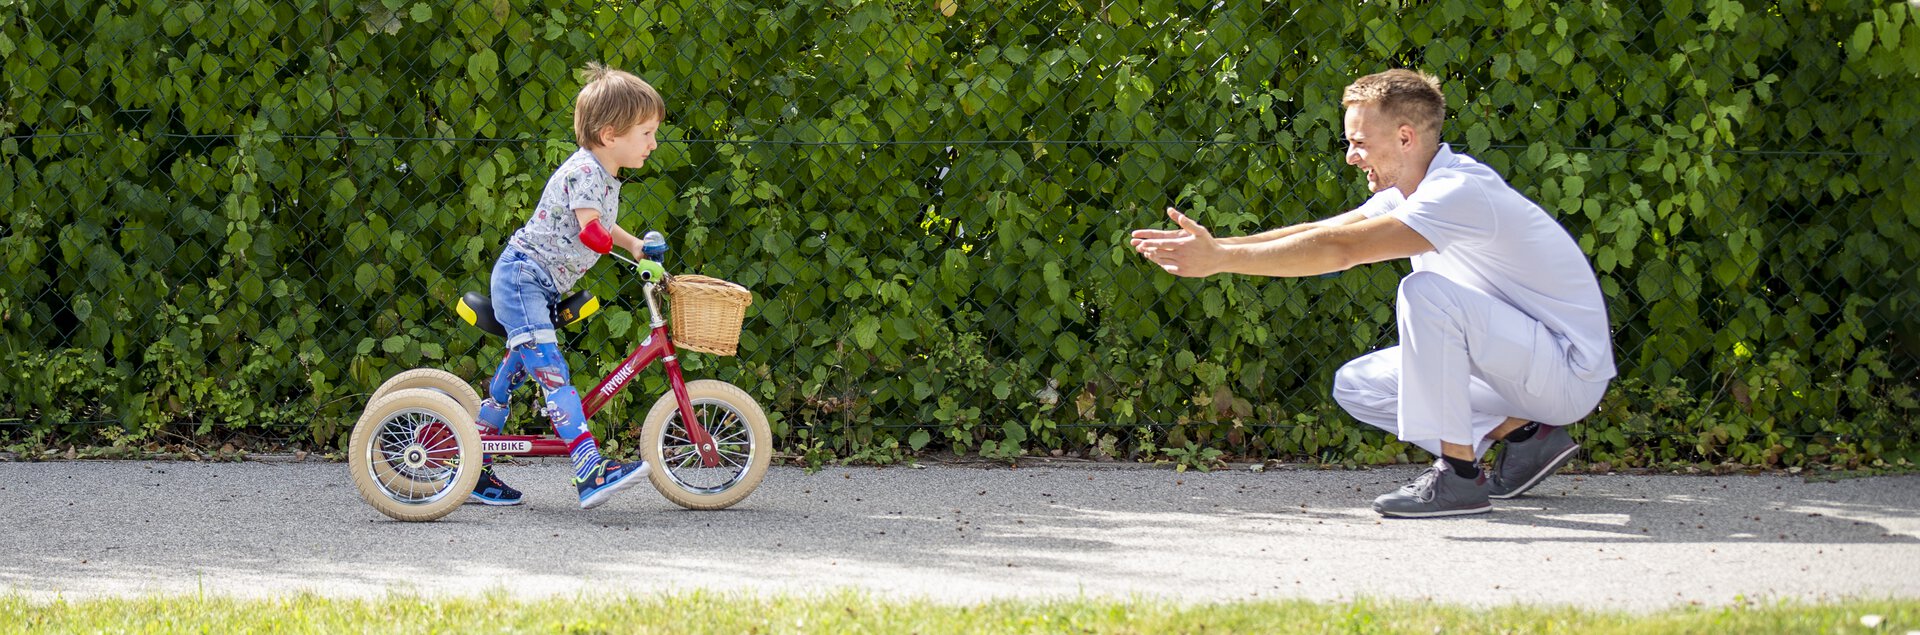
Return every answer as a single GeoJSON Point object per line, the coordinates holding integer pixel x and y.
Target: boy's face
{"type": "Point", "coordinates": [632, 146]}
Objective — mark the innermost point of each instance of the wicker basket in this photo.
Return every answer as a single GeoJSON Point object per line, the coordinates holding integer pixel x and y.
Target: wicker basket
{"type": "Point", "coordinates": [707, 313]}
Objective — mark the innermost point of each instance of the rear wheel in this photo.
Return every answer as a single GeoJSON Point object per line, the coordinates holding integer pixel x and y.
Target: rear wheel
{"type": "Point", "coordinates": [740, 436]}
{"type": "Point", "coordinates": [415, 455]}
{"type": "Point", "coordinates": [436, 380]}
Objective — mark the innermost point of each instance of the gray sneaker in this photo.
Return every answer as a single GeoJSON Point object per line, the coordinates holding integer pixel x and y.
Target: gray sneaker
{"type": "Point", "coordinates": [1524, 464]}
{"type": "Point", "coordinates": [1436, 492]}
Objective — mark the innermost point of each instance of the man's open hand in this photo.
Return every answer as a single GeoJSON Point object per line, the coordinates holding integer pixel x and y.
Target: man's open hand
{"type": "Point", "coordinates": [1189, 252]}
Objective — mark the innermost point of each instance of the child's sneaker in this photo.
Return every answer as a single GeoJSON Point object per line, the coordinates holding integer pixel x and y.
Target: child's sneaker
{"type": "Point", "coordinates": [607, 479]}
{"type": "Point", "coordinates": [491, 491]}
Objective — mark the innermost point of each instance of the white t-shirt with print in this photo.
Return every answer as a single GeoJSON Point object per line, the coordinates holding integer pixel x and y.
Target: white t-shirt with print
{"type": "Point", "coordinates": [552, 235]}
{"type": "Point", "coordinates": [1489, 237]}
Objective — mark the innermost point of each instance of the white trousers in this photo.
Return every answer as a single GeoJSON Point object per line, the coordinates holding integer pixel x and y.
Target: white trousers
{"type": "Point", "coordinates": [1466, 361]}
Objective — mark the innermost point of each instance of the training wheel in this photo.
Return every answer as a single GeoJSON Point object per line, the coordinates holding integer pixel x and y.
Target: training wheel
{"type": "Point", "coordinates": [415, 454]}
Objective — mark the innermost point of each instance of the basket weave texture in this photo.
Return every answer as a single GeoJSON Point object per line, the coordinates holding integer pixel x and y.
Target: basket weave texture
{"type": "Point", "coordinates": [707, 313]}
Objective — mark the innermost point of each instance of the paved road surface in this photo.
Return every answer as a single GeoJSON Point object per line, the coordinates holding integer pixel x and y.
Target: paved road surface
{"type": "Point", "coordinates": [963, 534]}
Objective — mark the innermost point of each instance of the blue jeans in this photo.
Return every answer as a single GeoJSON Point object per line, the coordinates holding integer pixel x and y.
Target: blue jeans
{"type": "Point", "coordinates": [523, 298]}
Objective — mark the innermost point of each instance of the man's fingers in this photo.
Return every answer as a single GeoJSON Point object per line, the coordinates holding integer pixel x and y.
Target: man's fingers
{"type": "Point", "coordinates": [1158, 233]}
{"type": "Point", "coordinates": [1187, 224]}
{"type": "Point", "coordinates": [1160, 244]}
{"type": "Point", "coordinates": [1163, 246]}
{"type": "Point", "coordinates": [1178, 218]}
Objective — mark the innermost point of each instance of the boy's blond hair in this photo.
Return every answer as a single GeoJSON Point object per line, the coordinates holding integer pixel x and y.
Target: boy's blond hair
{"type": "Point", "coordinates": [1408, 97]}
{"type": "Point", "coordinates": [615, 98]}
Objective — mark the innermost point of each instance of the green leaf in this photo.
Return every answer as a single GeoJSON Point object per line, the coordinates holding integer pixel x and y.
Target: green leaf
{"type": "Point", "coordinates": [918, 439]}
{"type": "Point", "coordinates": [1477, 138]}
{"type": "Point", "coordinates": [866, 333]}
{"type": "Point", "coordinates": [251, 288]}
{"type": "Point", "coordinates": [1861, 41]}
{"type": "Point", "coordinates": [483, 69]}
{"type": "Point", "coordinates": [1067, 347]}
{"type": "Point", "coordinates": [619, 323]}
{"type": "Point", "coordinates": [1014, 431]}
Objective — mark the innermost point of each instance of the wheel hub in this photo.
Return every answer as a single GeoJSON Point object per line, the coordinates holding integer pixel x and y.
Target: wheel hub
{"type": "Point", "coordinates": [415, 456]}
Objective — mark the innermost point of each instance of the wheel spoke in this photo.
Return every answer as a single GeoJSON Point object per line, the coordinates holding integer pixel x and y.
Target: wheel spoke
{"type": "Point", "coordinates": [726, 417]}
{"type": "Point", "coordinates": [451, 440]}
{"type": "Point", "coordinates": [393, 439]}
{"type": "Point", "coordinates": [730, 439]}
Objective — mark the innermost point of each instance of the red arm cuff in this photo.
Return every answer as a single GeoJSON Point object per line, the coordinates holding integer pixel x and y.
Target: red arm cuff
{"type": "Point", "coordinates": [595, 237]}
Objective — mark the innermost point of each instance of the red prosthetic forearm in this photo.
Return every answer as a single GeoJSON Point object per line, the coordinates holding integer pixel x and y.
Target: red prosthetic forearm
{"type": "Point", "coordinates": [595, 237]}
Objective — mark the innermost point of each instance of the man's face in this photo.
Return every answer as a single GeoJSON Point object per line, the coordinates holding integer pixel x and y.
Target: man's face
{"type": "Point", "coordinates": [1376, 146]}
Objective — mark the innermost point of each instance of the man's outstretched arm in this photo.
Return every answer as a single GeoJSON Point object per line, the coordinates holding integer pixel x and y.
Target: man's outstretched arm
{"type": "Point", "coordinates": [1283, 232]}
{"type": "Point", "coordinates": [1193, 252]}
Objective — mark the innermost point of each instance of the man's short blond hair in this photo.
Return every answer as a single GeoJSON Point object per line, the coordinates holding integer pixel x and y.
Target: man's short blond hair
{"type": "Point", "coordinates": [1408, 97]}
{"type": "Point", "coordinates": [615, 98]}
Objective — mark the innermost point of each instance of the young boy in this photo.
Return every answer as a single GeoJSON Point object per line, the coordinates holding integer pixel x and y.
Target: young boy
{"type": "Point", "coordinates": [614, 120]}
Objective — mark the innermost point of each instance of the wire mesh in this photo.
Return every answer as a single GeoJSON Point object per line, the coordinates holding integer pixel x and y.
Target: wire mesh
{"type": "Point", "coordinates": [243, 215]}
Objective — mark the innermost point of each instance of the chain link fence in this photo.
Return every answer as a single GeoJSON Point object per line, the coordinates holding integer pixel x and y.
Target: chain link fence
{"type": "Point", "coordinates": [244, 216]}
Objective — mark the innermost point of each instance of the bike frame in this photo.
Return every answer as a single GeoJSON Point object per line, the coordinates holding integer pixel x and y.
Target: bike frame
{"type": "Point", "coordinates": [657, 347]}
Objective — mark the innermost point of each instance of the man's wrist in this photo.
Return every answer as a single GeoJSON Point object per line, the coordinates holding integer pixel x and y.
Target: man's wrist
{"type": "Point", "coordinates": [1228, 254]}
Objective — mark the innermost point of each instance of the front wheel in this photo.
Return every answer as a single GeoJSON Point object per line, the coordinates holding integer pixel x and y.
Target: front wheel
{"type": "Point", "coordinates": [740, 436]}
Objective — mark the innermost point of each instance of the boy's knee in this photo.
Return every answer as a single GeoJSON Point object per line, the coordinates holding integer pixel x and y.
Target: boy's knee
{"type": "Point", "coordinates": [552, 378]}
{"type": "Point", "coordinates": [501, 388]}
{"type": "Point", "coordinates": [545, 364]}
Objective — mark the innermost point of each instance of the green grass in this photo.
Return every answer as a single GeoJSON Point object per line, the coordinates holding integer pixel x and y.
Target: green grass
{"type": "Point", "coordinates": [701, 612]}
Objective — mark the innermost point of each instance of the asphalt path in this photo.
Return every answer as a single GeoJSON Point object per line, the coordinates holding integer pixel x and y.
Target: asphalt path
{"type": "Point", "coordinates": [964, 534]}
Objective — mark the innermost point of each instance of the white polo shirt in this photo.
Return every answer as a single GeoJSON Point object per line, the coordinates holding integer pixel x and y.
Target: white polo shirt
{"type": "Point", "coordinates": [1487, 236]}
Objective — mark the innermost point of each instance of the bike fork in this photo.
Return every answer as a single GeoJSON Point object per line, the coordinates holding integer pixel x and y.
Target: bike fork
{"type": "Point", "coordinates": [696, 431]}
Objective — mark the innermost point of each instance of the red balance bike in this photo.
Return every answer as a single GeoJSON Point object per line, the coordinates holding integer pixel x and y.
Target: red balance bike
{"type": "Point", "coordinates": [416, 454]}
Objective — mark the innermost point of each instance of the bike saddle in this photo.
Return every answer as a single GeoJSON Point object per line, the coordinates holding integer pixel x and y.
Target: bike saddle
{"type": "Point", "coordinates": [474, 308]}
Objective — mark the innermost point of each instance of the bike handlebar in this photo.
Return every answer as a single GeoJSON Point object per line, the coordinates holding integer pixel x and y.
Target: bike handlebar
{"type": "Point", "coordinates": [649, 270]}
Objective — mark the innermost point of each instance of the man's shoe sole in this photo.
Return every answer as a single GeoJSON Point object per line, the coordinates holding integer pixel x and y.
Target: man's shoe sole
{"type": "Point", "coordinates": [1558, 462]}
{"type": "Point", "coordinates": [475, 499]}
{"type": "Point", "coordinates": [598, 498]}
{"type": "Point", "coordinates": [1439, 514]}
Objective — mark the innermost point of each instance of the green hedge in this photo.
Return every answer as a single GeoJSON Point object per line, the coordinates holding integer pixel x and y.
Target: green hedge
{"type": "Point", "coordinates": [245, 215]}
